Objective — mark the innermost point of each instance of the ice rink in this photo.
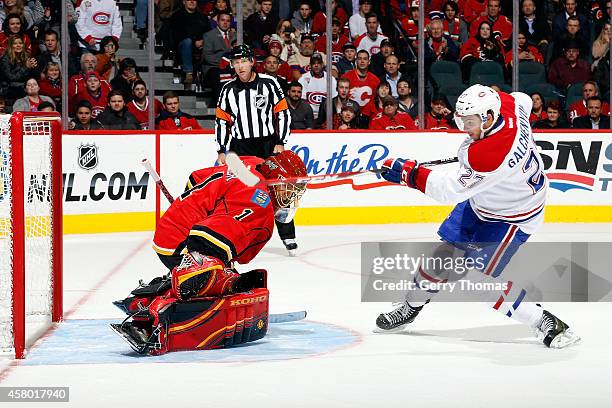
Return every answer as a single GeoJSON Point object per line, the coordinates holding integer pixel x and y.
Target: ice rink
{"type": "Point", "coordinates": [453, 355]}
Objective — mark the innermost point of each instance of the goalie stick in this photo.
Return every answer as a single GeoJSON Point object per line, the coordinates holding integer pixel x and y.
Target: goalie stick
{"type": "Point", "coordinates": [244, 174]}
{"type": "Point", "coordinates": [272, 318]}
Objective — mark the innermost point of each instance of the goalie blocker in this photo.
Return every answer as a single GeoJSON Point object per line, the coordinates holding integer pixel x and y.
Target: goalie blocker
{"type": "Point", "coordinates": [200, 305]}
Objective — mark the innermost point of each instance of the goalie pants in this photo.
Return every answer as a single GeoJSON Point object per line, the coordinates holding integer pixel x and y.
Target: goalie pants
{"type": "Point", "coordinates": [263, 147]}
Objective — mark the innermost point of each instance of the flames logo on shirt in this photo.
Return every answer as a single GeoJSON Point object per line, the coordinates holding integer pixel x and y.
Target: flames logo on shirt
{"type": "Point", "coordinates": [361, 95]}
{"type": "Point", "coordinates": [315, 98]}
{"type": "Point", "coordinates": [101, 18]}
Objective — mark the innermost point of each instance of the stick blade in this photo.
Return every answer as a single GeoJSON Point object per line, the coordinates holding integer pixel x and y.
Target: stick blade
{"type": "Point", "coordinates": [236, 166]}
{"type": "Point", "coordinates": [286, 317]}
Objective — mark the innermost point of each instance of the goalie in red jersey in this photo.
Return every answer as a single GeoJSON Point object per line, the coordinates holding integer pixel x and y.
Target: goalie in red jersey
{"type": "Point", "coordinates": [203, 302]}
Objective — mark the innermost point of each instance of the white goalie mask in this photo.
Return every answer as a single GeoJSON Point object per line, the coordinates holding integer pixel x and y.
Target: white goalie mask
{"type": "Point", "coordinates": [473, 105]}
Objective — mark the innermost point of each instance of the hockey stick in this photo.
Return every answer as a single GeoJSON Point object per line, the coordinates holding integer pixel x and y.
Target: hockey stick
{"type": "Point", "coordinates": [162, 187]}
{"type": "Point", "coordinates": [245, 175]}
{"type": "Point", "coordinates": [286, 317]}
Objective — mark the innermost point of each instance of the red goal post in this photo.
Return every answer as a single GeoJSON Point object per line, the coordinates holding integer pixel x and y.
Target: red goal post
{"type": "Point", "coordinates": [30, 227]}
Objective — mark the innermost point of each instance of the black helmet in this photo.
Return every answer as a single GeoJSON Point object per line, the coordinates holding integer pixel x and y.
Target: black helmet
{"type": "Point", "coordinates": [242, 51]}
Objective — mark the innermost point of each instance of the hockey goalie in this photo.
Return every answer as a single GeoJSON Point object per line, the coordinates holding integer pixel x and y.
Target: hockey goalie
{"type": "Point", "coordinates": [203, 302]}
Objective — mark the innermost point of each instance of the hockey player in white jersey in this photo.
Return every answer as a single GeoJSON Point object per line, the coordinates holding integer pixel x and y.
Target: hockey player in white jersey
{"type": "Point", "coordinates": [499, 192]}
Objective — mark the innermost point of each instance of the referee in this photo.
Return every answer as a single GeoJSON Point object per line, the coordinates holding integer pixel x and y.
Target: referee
{"type": "Point", "coordinates": [253, 119]}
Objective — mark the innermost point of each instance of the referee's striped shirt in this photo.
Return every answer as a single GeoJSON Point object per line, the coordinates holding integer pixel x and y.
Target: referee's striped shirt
{"type": "Point", "coordinates": [251, 110]}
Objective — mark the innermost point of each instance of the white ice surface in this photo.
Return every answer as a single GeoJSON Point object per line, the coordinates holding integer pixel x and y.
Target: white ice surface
{"type": "Point", "coordinates": [454, 355]}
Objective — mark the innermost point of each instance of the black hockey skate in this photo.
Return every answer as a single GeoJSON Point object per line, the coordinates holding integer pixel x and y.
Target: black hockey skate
{"type": "Point", "coordinates": [554, 332]}
{"type": "Point", "coordinates": [398, 318]}
{"type": "Point", "coordinates": [291, 246]}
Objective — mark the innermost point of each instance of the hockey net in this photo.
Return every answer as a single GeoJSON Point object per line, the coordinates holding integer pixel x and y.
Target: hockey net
{"type": "Point", "coordinates": [30, 228]}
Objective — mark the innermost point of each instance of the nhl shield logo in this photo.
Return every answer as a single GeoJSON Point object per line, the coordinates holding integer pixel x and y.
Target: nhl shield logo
{"type": "Point", "coordinates": [88, 156]}
{"type": "Point", "coordinates": [261, 101]}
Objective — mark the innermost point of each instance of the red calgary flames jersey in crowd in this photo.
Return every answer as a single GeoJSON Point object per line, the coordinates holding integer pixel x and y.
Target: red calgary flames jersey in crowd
{"type": "Point", "coordinates": [142, 114]}
{"type": "Point", "coordinates": [362, 90]}
{"type": "Point", "coordinates": [219, 213]}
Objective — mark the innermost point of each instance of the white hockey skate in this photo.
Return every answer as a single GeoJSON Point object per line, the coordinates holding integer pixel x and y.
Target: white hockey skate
{"type": "Point", "coordinates": [554, 333]}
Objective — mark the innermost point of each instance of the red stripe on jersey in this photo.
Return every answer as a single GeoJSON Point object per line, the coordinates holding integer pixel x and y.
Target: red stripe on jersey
{"type": "Point", "coordinates": [511, 216]}
{"type": "Point", "coordinates": [487, 154]}
{"type": "Point", "coordinates": [502, 248]}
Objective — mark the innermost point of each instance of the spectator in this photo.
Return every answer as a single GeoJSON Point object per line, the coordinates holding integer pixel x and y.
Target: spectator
{"type": "Point", "coordinates": [314, 83]}
{"type": "Point", "coordinates": [13, 27]}
{"type": "Point", "coordinates": [45, 106]}
{"type": "Point", "coordinates": [526, 52]}
{"type": "Point", "coordinates": [569, 69]}
{"type": "Point", "coordinates": [371, 40]}
{"type": "Point", "coordinates": [341, 98]}
{"type": "Point", "coordinates": [30, 102]}
{"type": "Point", "coordinates": [534, 26]}
{"type": "Point", "coordinates": [187, 26]}
{"type": "Point", "coordinates": [572, 33]}
{"type": "Point", "coordinates": [32, 13]}
{"type": "Point", "coordinates": [348, 116]}
{"type": "Point", "coordinates": [406, 102]}
{"type": "Point", "coordinates": [390, 118]}
{"type": "Point", "coordinates": [537, 109]}
{"type": "Point", "coordinates": [357, 22]}
{"type": "Point", "coordinates": [440, 116]}
{"type": "Point", "coordinates": [347, 61]}
{"type": "Point", "coordinates": [302, 18]}
{"type": "Point", "coordinates": [601, 74]}
{"type": "Point", "coordinates": [410, 24]}
{"type": "Point", "coordinates": [98, 19]}
{"type": "Point", "coordinates": [454, 27]}
{"type": "Point", "coordinates": [302, 116]}
{"type": "Point", "coordinates": [270, 67]}
{"type": "Point", "coordinates": [84, 119]}
{"type": "Point", "coordinates": [116, 115]}
{"type": "Point", "coordinates": [300, 63]}
{"type": "Point", "coordinates": [52, 52]}
{"type": "Point", "coordinates": [473, 9]}
{"type": "Point", "coordinates": [375, 106]}
{"type": "Point", "coordinates": [499, 23]}
{"type": "Point", "coordinates": [140, 17]}
{"type": "Point", "coordinates": [579, 108]}
{"type": "Point", "coordinates": [217, 42]}
{"type": "Point", "coordinates": [289, 39]}
{"type": "Point", "coordinates": [600, 13]}
{"type": "Point", "coordinates": [51, 84]}
{"type": "Point", "coordinates": [2, 105]}
{"type": "Point", "coordinates": [363, 83]}
{"type": "Point", "coordinates": [125, 78]}
{"type": "Point", "coordinates": [392, 74]}
{"type": "Point", "coordinates": [260, 25]}
{"type": "Point", "coordinates": [107, 65]}
{"type": "Point", "coordinates": [172, 118]}
{"type": "Point", "coordinates": [338, 41]}
{"type": "Point", "coordinates": [94, 93]}
{"type": "Point", "coordinates": [319, 21]}
{"type": "Point", "coordinates": [16, 67]}
{"type": "Point", "coordinates": [220, 6]}
{"type": "Point", "coordinates": [77, 82]}
{"type": "Point", "coordinates": [439, 46]}
{"type": "Point", "coordinates": [377, 61]}
{"type": "Point", "coordinates": [560, 21]}
{"type": "Point", "coordinates": [482, 47]}
{"type": "Point", "coordinates": [139, 105]}
{"type": "Point", "coordinates": [283, 70]}
{"type": "Point", "coordinates": [594, 119]}
{"type": "Point", "coordinates": [554, 119]}
{"type": "Point", "coordinates": [601, 45]}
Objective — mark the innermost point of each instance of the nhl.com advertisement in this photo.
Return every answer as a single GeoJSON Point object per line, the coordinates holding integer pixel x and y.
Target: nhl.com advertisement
{"type": "Point", "coordinates": [103, 174]}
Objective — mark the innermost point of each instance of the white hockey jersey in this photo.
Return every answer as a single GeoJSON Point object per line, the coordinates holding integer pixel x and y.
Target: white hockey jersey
{"type": "Point", "coordinates": [314, 90]}
{"type": "Point", "coordinates": [364, 42]}
{"type": "Point", "coordinates": [502, 175]}
{"type": "Point", "coordinates": [98, 19]}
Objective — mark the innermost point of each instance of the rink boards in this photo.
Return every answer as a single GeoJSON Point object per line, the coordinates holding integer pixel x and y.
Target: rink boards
{"type": "Point", "coordinates": [107, 190]}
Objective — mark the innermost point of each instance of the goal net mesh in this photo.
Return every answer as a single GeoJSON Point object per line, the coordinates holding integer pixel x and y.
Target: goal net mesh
{"type": "Point", "coordinates": [38, 228]}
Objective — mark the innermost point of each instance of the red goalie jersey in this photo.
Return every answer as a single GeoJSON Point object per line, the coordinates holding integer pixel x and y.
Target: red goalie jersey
{"type": "Point", "coordinates": [217, 216]}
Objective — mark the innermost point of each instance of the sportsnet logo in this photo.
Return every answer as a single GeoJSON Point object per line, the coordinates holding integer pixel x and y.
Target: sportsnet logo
{"type": "Point", "coordinates": [101, 18]}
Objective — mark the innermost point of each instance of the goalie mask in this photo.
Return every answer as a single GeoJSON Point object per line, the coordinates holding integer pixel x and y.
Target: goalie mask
{"type": "Point", "coordinates": [285, 195]}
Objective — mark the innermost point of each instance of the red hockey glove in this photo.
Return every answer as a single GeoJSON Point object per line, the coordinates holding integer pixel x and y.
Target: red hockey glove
{"type": "Point", "coordinates": [401, 171]}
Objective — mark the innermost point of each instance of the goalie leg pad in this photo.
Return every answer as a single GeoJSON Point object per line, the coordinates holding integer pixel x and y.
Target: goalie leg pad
{"type": "Point", "coordinates": [200, 276]}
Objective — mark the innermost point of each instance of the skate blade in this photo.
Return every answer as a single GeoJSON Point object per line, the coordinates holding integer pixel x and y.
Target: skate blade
{"type": "Point", "coordinates": [292, 252]}
{"type": "Point", "coordinates": [391, 331]}
{"type": "Point", "coordinates": [565, 339]}
{"type": "Point", "coordinates": [139, 348]}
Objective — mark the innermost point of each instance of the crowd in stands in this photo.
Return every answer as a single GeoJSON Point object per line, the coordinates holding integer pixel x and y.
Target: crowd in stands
{"type": "Point", "coordinates": [563, 54]}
